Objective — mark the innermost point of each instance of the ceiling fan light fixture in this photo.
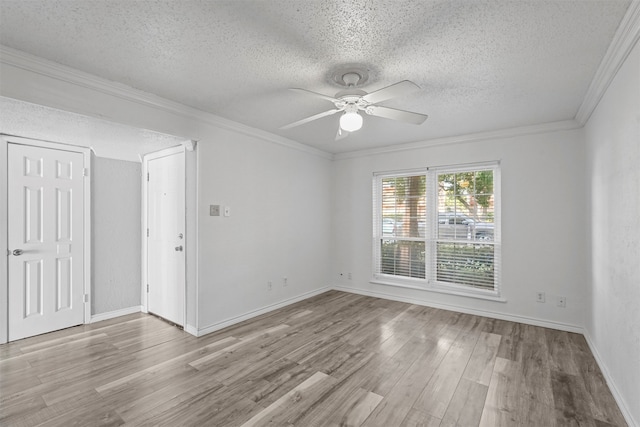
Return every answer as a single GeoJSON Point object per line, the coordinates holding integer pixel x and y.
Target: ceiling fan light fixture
{"type": "Point", "coordinates": [350, 121]}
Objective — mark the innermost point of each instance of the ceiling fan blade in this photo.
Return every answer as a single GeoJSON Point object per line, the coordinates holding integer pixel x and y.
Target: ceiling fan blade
{"type": "Point", "coordinates": [310, 119]}
{"type": "Point", "coordinates": [341, 134]}
{"type": "Point", "coordinates": [398, 89]}
{"type": "Point", "coordinates": [316, 94]}
{"type": "Point", "coordinates": [393, 114]}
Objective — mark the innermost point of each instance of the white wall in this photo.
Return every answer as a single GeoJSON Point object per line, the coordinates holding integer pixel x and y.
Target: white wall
{"type": "Point", "coordinates": [279, 225]}
{"type": "Point", "coordinates": [278, 191]}
{"type": "Point", "coordinates": [543, 224]}
{"type": "Point", "coordinates": [613, 165]}
{"type": "Point", "coordinates": [116, 228]}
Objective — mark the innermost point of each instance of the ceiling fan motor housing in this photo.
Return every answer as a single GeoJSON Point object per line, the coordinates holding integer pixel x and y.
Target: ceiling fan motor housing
{"type": "Point", "coordinates": [350, 75]}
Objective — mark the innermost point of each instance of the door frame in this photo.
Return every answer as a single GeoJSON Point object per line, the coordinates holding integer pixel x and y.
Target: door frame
{"type": "Point", "coordinates": [4, 220]}
{"type": "Point", "coordinates": [188, 146]}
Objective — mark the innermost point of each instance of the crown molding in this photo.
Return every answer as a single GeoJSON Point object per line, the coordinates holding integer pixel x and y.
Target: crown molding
{"type": "Point", "coordinates": [471, 137]}
{"type": "Point", "coordinates": [623, 42]}
{"type": "Point", "coordinates": [35, 64]}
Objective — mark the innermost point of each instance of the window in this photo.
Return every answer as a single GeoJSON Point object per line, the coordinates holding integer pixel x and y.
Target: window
{"type": "Point", "coordinates": [439, 229]}
{"type": "Point", "coordinates": [402, 247]}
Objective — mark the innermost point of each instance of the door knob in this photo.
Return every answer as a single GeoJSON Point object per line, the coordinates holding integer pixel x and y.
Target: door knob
{"type": "Point", "coordinates": [17, 252]}
{"type": "Point", "coordinates": [179, 248]}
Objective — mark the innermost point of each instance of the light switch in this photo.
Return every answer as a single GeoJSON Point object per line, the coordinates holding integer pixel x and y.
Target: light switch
{"type": "Point", "coordinates": [227, 211]}
{"type": "Point", "coordinates": [214, 210]}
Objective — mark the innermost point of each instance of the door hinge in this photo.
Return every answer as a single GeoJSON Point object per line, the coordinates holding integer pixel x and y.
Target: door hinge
{"type": "Point", "coordinates": [147, 232]}
{"type": "Point", "coordinates": [85, 172]}
{"type": "Point", "coordinates": [147, 176]}
{"type": "Point", "coordinates": [86, 297]}
{"type": "Point", "coordinates": [147, 288]}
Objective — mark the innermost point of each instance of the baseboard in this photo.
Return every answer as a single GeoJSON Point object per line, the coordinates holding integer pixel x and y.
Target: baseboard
{"type": "Point", "coordinates": [191, 330]}
{"type": "Point", "coordinates": [451, 307]}
{"type": "Point", "coordinates": [612, 385]}
{"type": "Point", "coordinates": [115, 313]}
{"type": "Point", "coordinates": [246, 316]}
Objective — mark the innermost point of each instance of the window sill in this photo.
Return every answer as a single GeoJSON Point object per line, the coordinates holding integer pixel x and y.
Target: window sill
{"type": "Point", "coordinates": [439, 289]}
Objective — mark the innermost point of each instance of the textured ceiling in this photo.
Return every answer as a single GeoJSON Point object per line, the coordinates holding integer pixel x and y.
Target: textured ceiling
{"type": "Point", "coordinates": [106, 139]}
{"type": "Point", "coordinates": [481, 65]}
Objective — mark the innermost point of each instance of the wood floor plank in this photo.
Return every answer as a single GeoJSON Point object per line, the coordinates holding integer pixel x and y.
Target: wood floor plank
{"type": "Point", "coordinates": [571, 407]}
{"type": "Point", "coordinates": [215, 407]}
{"type": "Point", "coordinates": [202, 362]}
{"type": "Point", "coordinates": [75, 356]}
{"type": "Point", "coordinates": [369, 324]}
{"type": "Point", "coordinates": [289, 408]}
{"type": "Point", "coordinates": [560, 352]}
{"type": "Point", "coordinates": [512, 338]}
{"type": "Point", "coordinates": [381, 373]}
{"type": "Point", "coordinates": [398, 402]}
{"type": "Point", "coordinates": [173, 408]}
{"type": "Point", "coordinates": [339, 359]}
{"type": "Point", "coordinates": [503, 396]}
{"type": "Point", "coordinates": [50, 345]}
{"type": "Point", "coordinates": [279, 381]}
{"type": "Point", "coordinates": [333, 359]}
{"type": "Point", "coordinates": [147, 385]}
{"type": "Point", "coordinates": [124, 381]}
{"type": "Point", "coordinates": [14, 381]}
{"type": "Point", "coordinates": [601, 402]}
{"type": "Point", "coordinates": [466, 405]}
{"type": "Point", "coordinates": [61, 350]}
{"type": "Point", "coordinates": [137, 343]}
{"type": "Point", "coordinates": [132, 407]}
{"type": "Point", "coordinates": [11, 413]}
{"type": "Point", "coordinates": [480, 366]}
{"type": "Point", "coordinates": [51, 337]}
{"type": "Point", "coordinates": [345, 406]}
{"type": "Point", "coordinates": [62, 411]}
{"type": "Point", "coordinates": [353, 410]}
{"type": "Point", "coordinates": [236, 362]}
{"type": "Point", "coordinates": [435, 397]}
{"type": "Point", "coordinates": [537, 394]}
{"type": "Point", "coordinates": [417, 418]}
{"type": "Point", "coordinates": [134, 360]}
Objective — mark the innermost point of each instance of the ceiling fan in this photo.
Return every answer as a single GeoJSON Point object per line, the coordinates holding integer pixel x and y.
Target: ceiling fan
{"type": "Point", "coordinates": [352, 100]}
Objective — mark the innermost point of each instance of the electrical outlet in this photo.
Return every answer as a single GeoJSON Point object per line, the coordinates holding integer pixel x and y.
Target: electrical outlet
{"type": "Point", "coordinates": [349, 276]}
{"type": "Point", "coordinates": [540, 296]}
{"type": "Point", "coordinates": [562, 302]}
{"type": "Point", "coordinates": [269, 285]}
{"type": "Point", "coordinates": [214, 210]}
{"type": "Point", "coordinates": [285, 281]}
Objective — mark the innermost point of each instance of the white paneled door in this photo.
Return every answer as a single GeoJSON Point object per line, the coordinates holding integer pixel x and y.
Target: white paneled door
{"type": "Point", "coordinates": [46, 239]}
{"type": "Point", "coordinates": [166, 236]}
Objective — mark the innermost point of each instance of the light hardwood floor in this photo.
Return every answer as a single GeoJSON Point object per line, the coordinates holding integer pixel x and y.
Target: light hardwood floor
{"type": "Point", "coordinates": [335, 359]}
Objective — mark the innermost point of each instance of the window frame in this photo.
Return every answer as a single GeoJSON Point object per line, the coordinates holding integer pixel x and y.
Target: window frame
{"type": "Point", "coordinates": [378, 235]}
{"type": "Point", "coordinates": [430, 238]}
